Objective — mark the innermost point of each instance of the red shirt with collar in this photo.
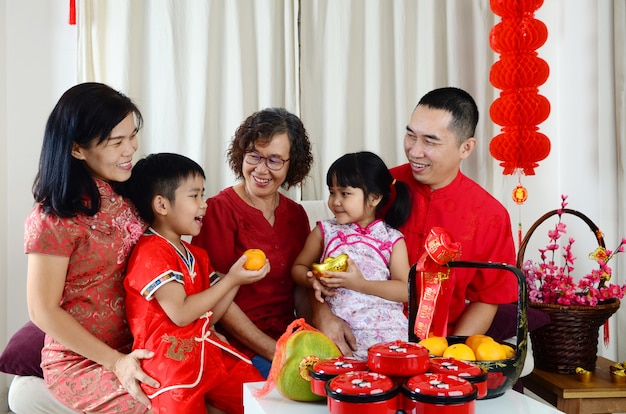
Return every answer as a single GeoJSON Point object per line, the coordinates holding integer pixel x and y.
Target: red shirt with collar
{"type": "Point", "coordinates": [476, 220]}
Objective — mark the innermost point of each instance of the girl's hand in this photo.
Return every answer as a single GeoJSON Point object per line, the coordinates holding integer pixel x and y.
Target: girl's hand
{"type": "Point", "coordinates": [320, 290]}
{"type": "Point", "coordinates": [351, 279]}
{"type": "Point", "coordinates": [128, 370]}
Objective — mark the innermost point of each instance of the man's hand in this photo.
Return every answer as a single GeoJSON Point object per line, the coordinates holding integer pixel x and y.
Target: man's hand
{"type": "Point", "coordinates": [335, 328]}
{"type": "Point", "coordinates": [128, 371]}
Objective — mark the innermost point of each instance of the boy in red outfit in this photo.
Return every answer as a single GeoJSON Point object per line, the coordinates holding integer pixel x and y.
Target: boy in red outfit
{"type": "Point", "coordinates": [170, 304]}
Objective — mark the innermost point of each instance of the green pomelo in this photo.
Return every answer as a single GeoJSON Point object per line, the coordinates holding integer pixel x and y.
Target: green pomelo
{"type": "Point", "coordinates": [301, 349]}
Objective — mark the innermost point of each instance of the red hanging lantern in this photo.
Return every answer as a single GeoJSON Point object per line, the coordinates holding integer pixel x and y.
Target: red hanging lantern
{"type": "Point", "coordinates": [518, 74]}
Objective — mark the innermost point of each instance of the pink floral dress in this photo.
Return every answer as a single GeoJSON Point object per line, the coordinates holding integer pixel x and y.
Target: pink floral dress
{"type": "Point", "coordinates": [97, 247]}
{"type": "Point", "coordinates": [371, 318]}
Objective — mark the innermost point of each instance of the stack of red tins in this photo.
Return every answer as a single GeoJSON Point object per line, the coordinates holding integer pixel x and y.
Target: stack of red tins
{"type": "Point", "coordinates": [400, 377]}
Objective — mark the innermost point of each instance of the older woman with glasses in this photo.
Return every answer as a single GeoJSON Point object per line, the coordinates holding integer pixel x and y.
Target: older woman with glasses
{"type": "Point", "coordinates": [270, 150]}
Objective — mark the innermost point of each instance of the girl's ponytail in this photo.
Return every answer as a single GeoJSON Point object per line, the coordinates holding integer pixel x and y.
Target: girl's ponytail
{"type": "Point", "coordinates": [398, 208]}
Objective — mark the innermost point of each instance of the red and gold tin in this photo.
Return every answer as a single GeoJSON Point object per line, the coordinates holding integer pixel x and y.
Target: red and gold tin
{"type": "Point", "coordinates": [466, 370]}
{"type": "Point", "coordinates": [326, 369]}
{"type": "Point", "coordinates": [432, 393]}
{"type": "Point", "coordinates": [362, 392]}
{"type": "Point", "coordinates": [398, 358]}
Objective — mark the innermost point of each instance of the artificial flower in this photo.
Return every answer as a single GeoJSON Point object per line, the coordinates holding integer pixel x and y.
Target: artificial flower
{"type": "Point", "coordinates": [552, 283]}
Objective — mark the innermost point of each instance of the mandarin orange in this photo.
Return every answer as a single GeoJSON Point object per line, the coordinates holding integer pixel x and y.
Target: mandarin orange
{"type": "Point", "coordinates": [490, 351]}
{"type": "Point", "coordinates": [474, 340]}
{"type": "Point", "coordinates": [509, 351]}
{"type": "Point", "coordinates": [255, 259]}
{"type": "Point", "coordinates": [436, 345]}
{"type": "Point", "coordinates": [461, 352]}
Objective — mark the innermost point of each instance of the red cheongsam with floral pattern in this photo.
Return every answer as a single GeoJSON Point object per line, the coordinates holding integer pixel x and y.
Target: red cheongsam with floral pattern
{"type": "Point", "coordinates": [97, 247]}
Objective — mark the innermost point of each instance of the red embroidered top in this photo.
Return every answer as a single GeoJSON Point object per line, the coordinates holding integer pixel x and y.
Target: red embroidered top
{"type": "Point", "coordinates": [184, 355]}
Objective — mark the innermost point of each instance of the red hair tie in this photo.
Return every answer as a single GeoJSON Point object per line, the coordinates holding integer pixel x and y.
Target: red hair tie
{"type": "Point", "coordinates": [392, 198]}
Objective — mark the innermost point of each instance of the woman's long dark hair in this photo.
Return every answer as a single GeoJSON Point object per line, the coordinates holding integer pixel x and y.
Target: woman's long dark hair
{"type": "Point", "coordinates": [85, 114]}
{"type": "Point", "coordinates": [367, 171]}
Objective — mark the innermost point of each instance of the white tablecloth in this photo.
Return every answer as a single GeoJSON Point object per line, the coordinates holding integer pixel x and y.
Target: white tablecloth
{"type": "Point", "coordinates": [511, 402]}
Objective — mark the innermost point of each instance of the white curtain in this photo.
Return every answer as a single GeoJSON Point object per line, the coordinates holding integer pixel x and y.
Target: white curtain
{"type": "Point", "coordinates": [365, 64]}
{"type": "Point", "coordinates": [196, 68]}
{"type": "Point", "coordinates": [354, 70]}
{"type": "Point", "coordinates": [618, 84]}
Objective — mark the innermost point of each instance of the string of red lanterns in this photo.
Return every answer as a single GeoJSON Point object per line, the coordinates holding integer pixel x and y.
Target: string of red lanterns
{"type": "Point", "coordinates": [518, 74]}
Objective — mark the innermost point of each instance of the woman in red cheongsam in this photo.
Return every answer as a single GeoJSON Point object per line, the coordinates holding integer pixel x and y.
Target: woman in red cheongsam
{"type": "Point", "coordinates": [78, 238]}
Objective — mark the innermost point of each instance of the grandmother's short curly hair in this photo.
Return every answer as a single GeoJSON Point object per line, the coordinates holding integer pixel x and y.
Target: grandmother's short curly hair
{"type": "Point", "coordinates": [263, 126]}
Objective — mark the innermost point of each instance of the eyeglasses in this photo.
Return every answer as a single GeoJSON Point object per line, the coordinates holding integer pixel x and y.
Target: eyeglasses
{"type": "Point", "coordinates": [273, 163]}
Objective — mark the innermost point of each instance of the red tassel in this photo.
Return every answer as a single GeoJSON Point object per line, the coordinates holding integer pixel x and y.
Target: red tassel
{"type": "Point", "coordinates": [72, 19]}
{"type": "Point", "coordinates": [606, 333]}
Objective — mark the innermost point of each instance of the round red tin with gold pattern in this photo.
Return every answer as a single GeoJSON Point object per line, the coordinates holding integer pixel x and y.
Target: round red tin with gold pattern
{"type": "Point", "coordinates": [398, 358]}
{"type": "Point", "coordinates": [466, 370]}
{"type": "Point", "coordinates": [362, 392]}
{"type": "Point", "coordinates": [326, 369]}
{"type": "Point", "coordinates": [432, 393]}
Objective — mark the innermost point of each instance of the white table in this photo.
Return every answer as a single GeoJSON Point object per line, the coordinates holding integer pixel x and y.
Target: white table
{"type": "Point", "coordinates": [511, 402]}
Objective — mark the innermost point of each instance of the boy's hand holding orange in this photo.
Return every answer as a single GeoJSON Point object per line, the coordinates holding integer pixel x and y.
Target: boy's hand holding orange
{"type": "Point", "coordinates": [251, 267]}
{"type": "Point", "coordinates": [255, 259]}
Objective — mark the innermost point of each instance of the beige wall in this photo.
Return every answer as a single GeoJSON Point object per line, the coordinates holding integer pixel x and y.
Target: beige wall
{"type": "Point", "coordinates": [3, 193]}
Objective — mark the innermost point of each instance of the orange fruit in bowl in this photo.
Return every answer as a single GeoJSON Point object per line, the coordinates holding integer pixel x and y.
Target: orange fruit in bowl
{"type": "Point", "coordinates": [461, 352]}
{"type": "Point", "coordinates": [255, 259]}
{"type": "Point", "coordinates": [509, 351]}
{"type": "Point", "coordinates": [436, 345]}
{"type": "Point", "coordinates": [473, 341]}
{"type": "Point", "coordinates": [490, 351]}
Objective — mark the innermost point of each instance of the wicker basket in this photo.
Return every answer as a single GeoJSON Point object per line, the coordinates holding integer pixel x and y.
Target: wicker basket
{"type": "Point", "coordinates": [570, 340]}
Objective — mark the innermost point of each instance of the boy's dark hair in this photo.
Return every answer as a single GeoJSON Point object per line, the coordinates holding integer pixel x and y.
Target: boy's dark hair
{"type": "Point", "coordinates": [158, 174]}
{"type": "Point", "coordinates": [367, 171]}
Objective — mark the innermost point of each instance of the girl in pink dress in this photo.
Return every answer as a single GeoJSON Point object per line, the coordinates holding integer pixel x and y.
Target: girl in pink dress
{"type": "Point", "coordinates": [78, 237]}
{"type": "Point", "coordinates": [369, 296]}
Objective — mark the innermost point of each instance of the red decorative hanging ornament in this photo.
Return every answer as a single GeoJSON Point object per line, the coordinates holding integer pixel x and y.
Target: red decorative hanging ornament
{"type": "Point", "coordinates": [520, 194]}
{"type": "Point", "coordinates": [520, 108]}
{"type": "Point", "coordinates": [518, 74]}
{"type": "Point", "coordinates": [434, 292]}
{"type": "Point", "coordinates": [72, 17]}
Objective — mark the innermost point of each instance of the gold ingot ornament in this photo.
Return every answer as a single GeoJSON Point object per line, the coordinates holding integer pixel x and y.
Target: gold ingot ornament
{"type": "Point", "coordinates": [618, 372]}
{"type": "Point", "coordinates": [583, 375]}
{"type": "Point", "coordinates": [618, 366]}
{"type": "Point", "coordinates": [330, 264]}
{"type": "Point", "coordinates": [618, 377]}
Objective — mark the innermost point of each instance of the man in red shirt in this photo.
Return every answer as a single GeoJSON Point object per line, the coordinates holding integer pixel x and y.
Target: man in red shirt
{"type": "Point", "coordinates": [439, 136]}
